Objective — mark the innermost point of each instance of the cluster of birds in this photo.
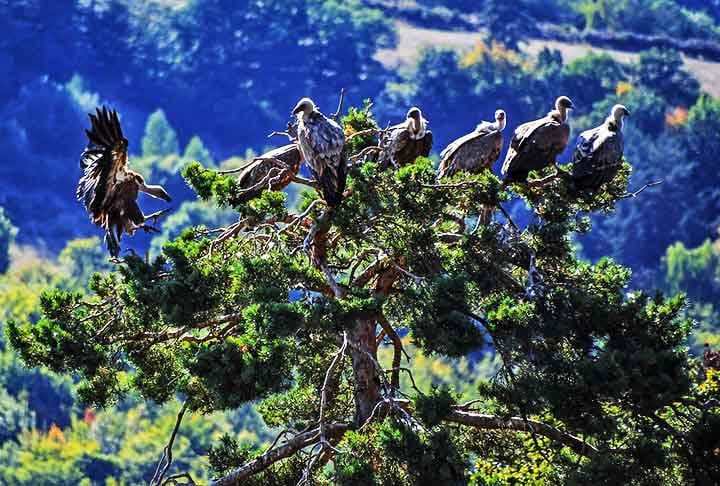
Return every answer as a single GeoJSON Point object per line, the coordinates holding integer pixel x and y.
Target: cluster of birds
{"type": "Point", "coordinates": [109, 189]}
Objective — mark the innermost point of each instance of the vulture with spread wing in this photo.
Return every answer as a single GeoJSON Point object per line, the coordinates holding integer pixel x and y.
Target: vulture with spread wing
{"type": "Point", "coordinates": [410, 139]}
{"type": "Point", "coordinates": [322, 145]}
{"type": "Point", "coordinates": [108, 189]}
{"type": "Point", "coordinates": [476, 151]}
{"type": "Point", "coordinates": [273, 170]}
{"type": "Point", "coordinates": [599, 152]}
{"type": "Point", "coordinates": [537, 143]}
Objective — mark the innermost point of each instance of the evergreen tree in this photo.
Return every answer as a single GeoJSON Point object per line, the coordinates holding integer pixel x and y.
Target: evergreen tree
{"type": "Point", "coordinates": [160, 139]}
{"type": "Point", "coordinates": [196, 151]}
{"type": "Point", "coordinates": [7, 236]}
{"type": "Point", "coordinates": [289, 309]}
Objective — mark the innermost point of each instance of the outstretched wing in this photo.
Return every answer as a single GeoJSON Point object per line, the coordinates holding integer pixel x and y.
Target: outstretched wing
{"type": "Point", "coordinates": [101, 161]}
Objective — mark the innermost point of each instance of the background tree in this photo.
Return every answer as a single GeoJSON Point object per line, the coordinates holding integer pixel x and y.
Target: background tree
{"type": "Point", "coordinates": [590, 374]}
{"type": "Point", "coordinates": [7, 236]}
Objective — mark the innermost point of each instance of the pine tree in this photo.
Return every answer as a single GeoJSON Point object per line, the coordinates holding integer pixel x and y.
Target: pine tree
{"type": "Point", "coordinates": [160, 139]}
{"type": "Point", "coordinates": [289, 307]}
{"type": "Point", "coordinates": [7, 236]}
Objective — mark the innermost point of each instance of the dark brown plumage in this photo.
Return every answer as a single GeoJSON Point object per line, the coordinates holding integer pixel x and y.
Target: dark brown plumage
{"type": "Point", "coordinates": [322, 145]}
{"type": "Point", "coordinates": [410, 139]}
{"type": "Point", "coordinates": [108, 189]}
{"type": "Point", "coordinates": [476, 151]}
{"type": "Point", "coordinates": [272, 170]}
{"type": "Point", "coordinates": [537, 143]}
{"type": "Point", "coordinates": [599, 152]}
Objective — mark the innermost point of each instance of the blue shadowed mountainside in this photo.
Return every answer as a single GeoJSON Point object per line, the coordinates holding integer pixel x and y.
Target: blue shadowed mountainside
{"type": "Point", "coordinates": [209, 80]}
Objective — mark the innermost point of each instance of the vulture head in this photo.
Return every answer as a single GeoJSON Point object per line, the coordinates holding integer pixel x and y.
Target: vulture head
{"type": "Point", "coordinates": [500, 119]}
{"type": "Point", "coordinates": [416, 122]}
{"type": "Point", "coordinates": [618, 114]}
{"type": "Point", "coordinates": [304, 107]}
{"type": "Point", "coordinates": [562, 105]}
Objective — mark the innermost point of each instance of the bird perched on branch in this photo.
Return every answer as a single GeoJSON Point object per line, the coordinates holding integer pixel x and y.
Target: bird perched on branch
{"type": "Point", "coordinates": [537, 143]}
{"type": "Point", "coordinates": [476, 151]}
{"type": "Point", "coordinates": [322, 144]}
{"type": "Point", "coordinates": [599, 152]}
{"type": "Point", "coordinates": [273, 170]}
{"type": "Point", "coordinates": [108, 189]}
{"type": "Point", "coordinates": [410, 139]}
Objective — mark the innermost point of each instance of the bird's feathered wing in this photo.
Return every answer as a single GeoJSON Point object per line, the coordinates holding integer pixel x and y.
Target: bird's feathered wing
{"type": "Point", "coordinates": [405, 149]}
{"type": "Point", "coordinates": [473, 152]}
{"type": "Point", "coordinates": [322, 143]}
{"type": "Point", "coordinates": [535, 145]}
{"type": "Point", "coordinates": [102, 160]}
{"type": "Point", "coordinates": [276, 167]}
{"type": "Point", "coordinates": [598, 156]}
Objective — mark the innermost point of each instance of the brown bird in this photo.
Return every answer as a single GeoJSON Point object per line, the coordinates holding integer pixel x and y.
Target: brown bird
{"type": "Point", "coordinates": [272, 170]}
{"type": "Point", "coordinates": [108, 189]}
{"type": "Point", "coordinates": [537, 143]}
{"type": "Point", "coordinates": [322, 145]}
{"type": "Point", "coordinates": [476, 151]}
{"type": "Point", "coordinates": [410, 139]}
{"type": "Point", "coordinates": [599, 152]}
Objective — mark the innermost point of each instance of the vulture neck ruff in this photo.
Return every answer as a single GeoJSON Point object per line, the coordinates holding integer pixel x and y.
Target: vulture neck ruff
{"type": "Point", "coordinates": [417, 132]}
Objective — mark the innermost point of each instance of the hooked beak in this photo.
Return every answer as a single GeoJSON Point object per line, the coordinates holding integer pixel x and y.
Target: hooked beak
{"type": "Point", "coordinates": [627, 112]}
{"type": "Point", "coordinates": [297, 109]}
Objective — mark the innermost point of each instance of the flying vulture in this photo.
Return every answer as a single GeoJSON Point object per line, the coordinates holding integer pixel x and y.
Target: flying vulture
{"type": "Point", "coordinates": [599, 152]}
{"type": "Point", "coordinates": [537, 143]}
{"type": "Point", "coordinates": [322, 144]}
{"type": "Point", "coordinates": [410, 139]}
{"type": "Point", "coordinates": [108, 189]}
{"type": "Point", "coordinates": [476, 151]}
{"type": "Point", "coordinates": [272, 170]}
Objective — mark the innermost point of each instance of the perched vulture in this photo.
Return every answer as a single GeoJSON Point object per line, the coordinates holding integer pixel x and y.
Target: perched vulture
{"type": "Point", "coordinates": [272, 170]}
{"type": "Point", "coordinates": [536, 144]}
{"type": "Point", "coordinates": [475, 151]}
{"type": "Point", "coordinates": [599, 152]}
{"type": "Point", "coordinates": [108, 189]}
{"type": "Point", "coordinates": [410, 139]}
{"type": "Point", "coordinates": [322, 144]}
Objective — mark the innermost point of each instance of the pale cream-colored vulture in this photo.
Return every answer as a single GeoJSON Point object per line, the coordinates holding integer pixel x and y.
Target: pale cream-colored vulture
{"type": "Point", "coordinates": [536, 144]}
{"type": "Point", "coordinates": [108, 188]}
{"type": "Point", "coordinates": [322, 145]}
{"type": "Point", "coordinates": [476, 151]}
{"type": "Point", "coordinates": [599, 152]}
{"type": "Point", "coordinates": [273, 170]}
{"type": "Point", "coordinates": [410, 139]}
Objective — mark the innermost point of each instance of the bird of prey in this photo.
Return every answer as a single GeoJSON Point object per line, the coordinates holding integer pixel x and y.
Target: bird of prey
{"type": "Point", "coordinates": [272, 170]}
{"type": "Point", "coordinates": [108, 188]}
{"type": "Point", "coordinates": [476, 151]}
{"type": "Point", "coordinates": [410, 139]}
{"type": "Point", "coordinates": [599, 152]}
{"type": "Point", "coordinates": [322, 144]}
{"type": "Point", "coordinates": [537, 143]}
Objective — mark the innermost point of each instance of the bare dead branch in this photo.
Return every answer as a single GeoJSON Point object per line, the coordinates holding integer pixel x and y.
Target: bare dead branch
{"type": "Point", "coordinates": [287, 449]}
{"type": "Point", "coordinates": [337, 359]}
{"type": "Point", "coordinates": [336, 115]}
{"type": "Point", "coordinates": [167, 456]}
{"type": "Point", "coordinates": [518, 424]}
{"type": "Point", "coordinates": [397, 351]}
{"type": "Point", "coordinates": [636, 193]}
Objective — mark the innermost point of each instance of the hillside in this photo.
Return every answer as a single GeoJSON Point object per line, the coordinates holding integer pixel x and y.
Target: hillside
{"type": "Point", "coordinates": [411, 38]}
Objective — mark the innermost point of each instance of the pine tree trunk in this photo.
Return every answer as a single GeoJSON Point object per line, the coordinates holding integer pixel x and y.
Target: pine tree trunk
{"type": "Point", "coordinates": [367, 386]}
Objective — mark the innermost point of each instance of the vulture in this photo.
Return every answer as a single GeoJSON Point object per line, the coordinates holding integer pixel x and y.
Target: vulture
{"type": "Point", "coordinates": [272, 170]}
{"type": "Point", "coordinates": [410, 139]}
{"type": "Point", "coordinates": [108, 188]}
{"type": "Point", "coordinates": [599, 152]}
{"type": "Point", "coordinates": [322, 144]}
{"type": "Point", "coordinates": [537, 143]}
{"type": "Point", "coordinates": [476, 151]}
